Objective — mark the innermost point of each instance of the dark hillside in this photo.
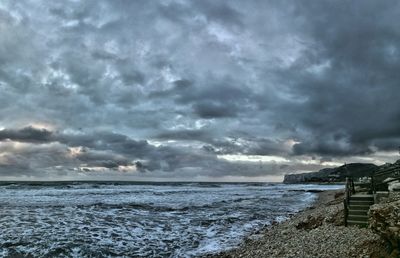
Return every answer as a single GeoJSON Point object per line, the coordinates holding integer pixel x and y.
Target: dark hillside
{"type": "Point", "coordinates": [338, 174]}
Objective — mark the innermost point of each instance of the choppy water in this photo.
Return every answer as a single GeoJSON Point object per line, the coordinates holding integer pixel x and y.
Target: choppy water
{"type": "Point", "coordinates": [139, 219]}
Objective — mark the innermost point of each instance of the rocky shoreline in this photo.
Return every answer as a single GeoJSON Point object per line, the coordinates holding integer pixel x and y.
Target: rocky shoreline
{"type": "Point", "coordinates": [315, 232]}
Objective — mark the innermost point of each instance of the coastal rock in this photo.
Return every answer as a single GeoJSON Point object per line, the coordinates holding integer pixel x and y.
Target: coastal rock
{"type": "Point", "coordinates": [384, 219]}
{"type": "Point", "coordinates": [310, 223]}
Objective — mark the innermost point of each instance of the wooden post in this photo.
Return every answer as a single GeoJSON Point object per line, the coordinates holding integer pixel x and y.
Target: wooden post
{"type": "Point", "coordinates": [346, 212]}
{"type": "Point", "coordinates": [373, 185]}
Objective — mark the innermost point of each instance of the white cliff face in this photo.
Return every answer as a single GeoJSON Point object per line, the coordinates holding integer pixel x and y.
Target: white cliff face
{"type": "Point", "coordinates": [322, 175]}
{"type": "Point", "coordinates": [294, 178]}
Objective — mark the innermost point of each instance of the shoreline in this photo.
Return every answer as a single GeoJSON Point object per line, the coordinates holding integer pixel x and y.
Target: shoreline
{"type": "Point", "coordinates": [317, 231]}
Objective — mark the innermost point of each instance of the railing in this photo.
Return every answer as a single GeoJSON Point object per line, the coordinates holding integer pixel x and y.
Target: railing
{"type": "Point", "coordinates": [349, 191]}
{"type": "Point", "coordinates": [379, 175]}
{"type": "Point", "coordinates": [377, 179]}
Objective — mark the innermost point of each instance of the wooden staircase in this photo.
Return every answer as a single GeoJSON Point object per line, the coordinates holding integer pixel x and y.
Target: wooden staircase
{"type": "Point", "coordinates": [356, 205]}
{"type": "Point", "coordinates": [357, 209]}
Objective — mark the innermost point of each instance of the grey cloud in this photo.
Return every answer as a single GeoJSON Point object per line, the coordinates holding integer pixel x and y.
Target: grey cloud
{"type": "Point", "coordinates": [220, 12]}
{"type": "Point", "coordinates": [236, 77]}
{"type": "Point", "coordinates": [208, 109]}
{"type": "Point", "coordinates": [33, 160]}
{"type": "Point", "coordinates": [201, 135]}
{"type": "Point", "coordinates": [104, 141]}
{"type": "Point", "coordinates": [217, 100]}
{"type": "Point", "coordinates": [217, 89]}
{"type": "Point", "coordinates": [328, 149]}
{"type": "Point", "coordinates": [248, 146]}
{"type": "Point", "coordinates": [102, 159]}
{"type": "Point", "coordinates": [27, 134]}
{"type": "Point", "coordinates": [354, 94]}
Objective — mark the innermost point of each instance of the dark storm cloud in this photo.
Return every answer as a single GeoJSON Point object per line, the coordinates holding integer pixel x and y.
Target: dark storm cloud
{"type": "Point", "coordinates": [33, 160]}
{"type": "Point", "coordinates": [106, 141]}
{"type": "Point", "coordinates": [217, 98]}
{"type": "Point", "coordinates": [98, 149]}
{"type": "Point", "coordinates": [172, 84]}
{"type": "Point", "coordinates": [102, 159]}
{"type": "Point", "coordinates": [200, 135]}
{"type": "Point", "coordinates": [27, 134]}
{"type": "Point", "coordinates": [208, 109]}
{"type": "Point", "coordinates": [246, 145]}
{"type": "Point", "coordinates": [325, 148]}
{"type": "Point", "coordinates": [221, 12]}
{"type": "Point", "coordinates": [220, 90]}
{"type": "Point", "coordinates": [349, 100]}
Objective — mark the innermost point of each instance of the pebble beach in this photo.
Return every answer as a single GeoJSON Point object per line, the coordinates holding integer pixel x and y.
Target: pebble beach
{"type": "Point", "coordinates": [318, 231]}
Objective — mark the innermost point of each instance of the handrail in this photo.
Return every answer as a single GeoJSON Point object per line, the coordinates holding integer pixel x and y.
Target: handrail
{"type": "Point", "coordinates": [376, 181]}
{"type": "Point", "coordinates": [349, 190]}
{"type": "Point", "coordinates": [388, 181]}
{"type": "Point", "coordinates": [395, 170]}
{"type": "Point", "coordinates": [372, 190]}
{"type": "Point", "coordinates": [346, 212]}
{"type": "Point", "coordinates": [386, 171]}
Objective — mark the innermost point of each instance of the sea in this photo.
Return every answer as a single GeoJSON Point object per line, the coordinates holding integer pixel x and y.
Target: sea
{"type": "Point", "coordinates": [136, 219]}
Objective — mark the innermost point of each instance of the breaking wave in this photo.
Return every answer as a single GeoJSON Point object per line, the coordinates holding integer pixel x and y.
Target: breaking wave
{"type": "Point", "coordinates": [96, 219]}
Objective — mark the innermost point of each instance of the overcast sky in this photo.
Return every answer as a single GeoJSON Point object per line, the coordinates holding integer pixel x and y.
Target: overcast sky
{"type": "Point", "coordinates": [196, 90]}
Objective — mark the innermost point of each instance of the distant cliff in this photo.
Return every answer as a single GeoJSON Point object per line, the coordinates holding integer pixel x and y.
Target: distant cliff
{"type": "Point", "coordinates": [337, 174]}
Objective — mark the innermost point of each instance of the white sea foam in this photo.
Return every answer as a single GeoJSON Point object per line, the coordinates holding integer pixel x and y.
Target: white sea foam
{"type": "Point", "coordinates": [149, 220]}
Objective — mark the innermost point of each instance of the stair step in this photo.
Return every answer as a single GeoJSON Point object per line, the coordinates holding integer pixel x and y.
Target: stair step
{"type": "Point", "coordinates": [362, 197]}
{"type": "Point", "coordinates": [358, 223]}
{"type": "Point", "coordinates": [359, 207]}
{"type": "Point", "coordinates": [358, 212]}
{"type": "Point", "coordinates": [361, 218]}
{"type": "Point", "coordinates": [361, 202]}
{"type": "Point", "coordinates": [357, 199]}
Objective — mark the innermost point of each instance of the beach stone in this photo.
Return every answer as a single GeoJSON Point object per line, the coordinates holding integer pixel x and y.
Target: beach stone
{"type": "Point", "coordinates": [384, 219]}
{"type": "Point", "coordinates": [313, 233]}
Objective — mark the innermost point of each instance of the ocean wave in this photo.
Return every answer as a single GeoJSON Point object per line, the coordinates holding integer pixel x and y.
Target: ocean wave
{"type": "Point", "coordinates": [148, 220]}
